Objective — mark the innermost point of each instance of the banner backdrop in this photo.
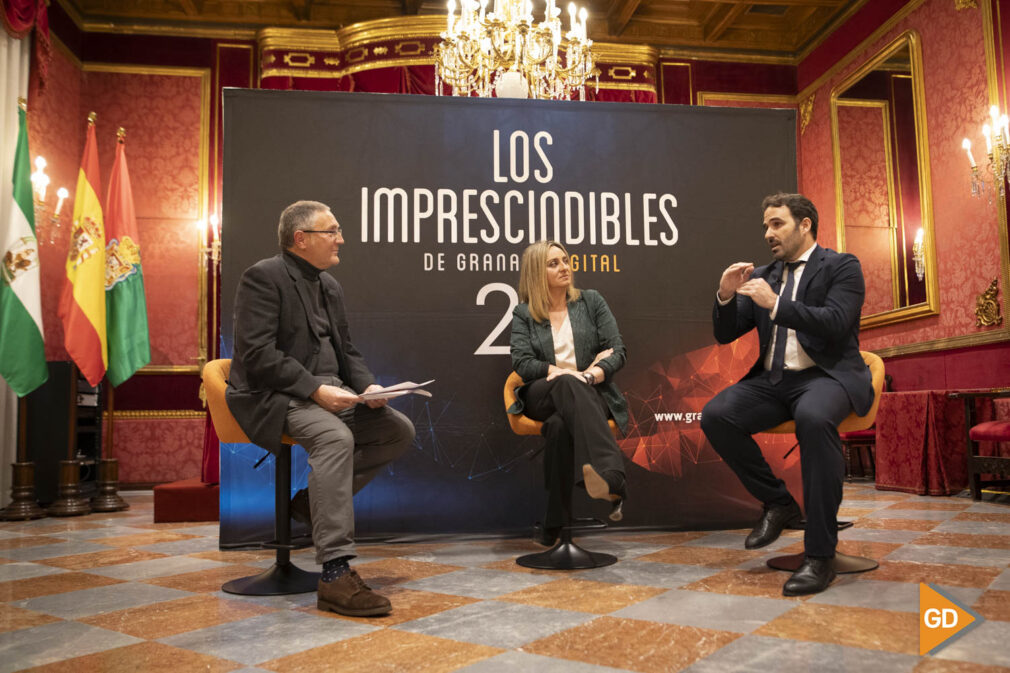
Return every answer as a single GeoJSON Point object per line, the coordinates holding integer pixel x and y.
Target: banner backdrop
{"type": "Point", "coordinates": [437, 198]}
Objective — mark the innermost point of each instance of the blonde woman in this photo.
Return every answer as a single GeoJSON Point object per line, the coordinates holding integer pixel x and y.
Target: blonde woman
{"type": "Point", "coordinates": [566, 347]}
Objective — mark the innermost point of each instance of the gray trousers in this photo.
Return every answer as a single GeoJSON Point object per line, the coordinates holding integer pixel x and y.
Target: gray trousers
{"type": "Point", "coordinates": [346, 450]}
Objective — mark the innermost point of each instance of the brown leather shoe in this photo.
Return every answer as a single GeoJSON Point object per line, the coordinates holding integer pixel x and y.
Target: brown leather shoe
{"type": "Point", "coordinates": [349, 595]}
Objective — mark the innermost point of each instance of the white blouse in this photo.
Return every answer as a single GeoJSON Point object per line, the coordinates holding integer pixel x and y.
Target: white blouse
{"type": "Point", "coordinates": [564, 346]}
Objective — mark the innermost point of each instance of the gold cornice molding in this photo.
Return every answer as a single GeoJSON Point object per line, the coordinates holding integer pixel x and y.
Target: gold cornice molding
{"type": "Point", "coordinates": [624, 86]}
{"type": "Point", "coordinates": [155, 415]}
{"type": "Point", "coordinates": [175, 30]}
{"type": "Point", "coordinates": [620, 54]}
{"type": "Point", "coordinates": [960, 5]}
{"type": "Point", "coordinates": [706, 97]}
{"type": "Point", "coordinates": [947, 343]}
{"type": "Point", "coordinates": [394, 28]}
{"type": "Point", "coordinates": [298, 38]}
{"type": "Point", "coordinates": [724, 56]}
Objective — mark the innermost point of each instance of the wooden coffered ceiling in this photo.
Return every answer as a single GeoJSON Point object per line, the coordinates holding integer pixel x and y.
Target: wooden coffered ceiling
{"type": "Point", "coordinates": [782, 30]}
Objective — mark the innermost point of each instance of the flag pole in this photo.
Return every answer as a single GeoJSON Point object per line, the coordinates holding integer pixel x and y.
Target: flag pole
{"type": "Point", "coordinates": [108, 499]}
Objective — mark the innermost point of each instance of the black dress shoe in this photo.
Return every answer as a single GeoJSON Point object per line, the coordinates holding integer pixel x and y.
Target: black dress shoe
{"type": "Point", "coordinates": [773, 520]}
{"type": "Point", "coordinates": [611, 486]}
{"type": "Point", "coordinates": [812, 577]}
{"type": "Point", "coordinates": [300, 510]}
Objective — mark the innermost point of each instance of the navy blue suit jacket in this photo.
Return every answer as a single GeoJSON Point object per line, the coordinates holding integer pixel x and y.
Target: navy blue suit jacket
{"type": "Point", "coordinates": [825, 316]}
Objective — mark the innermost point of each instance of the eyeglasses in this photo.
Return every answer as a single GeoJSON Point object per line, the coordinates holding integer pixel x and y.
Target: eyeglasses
{"type": "Point", "coordinates": [331, 232]}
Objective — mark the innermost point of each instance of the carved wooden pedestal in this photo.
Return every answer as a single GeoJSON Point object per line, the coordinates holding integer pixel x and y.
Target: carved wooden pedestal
{"type": "Point", "coordinates": [69, 501]}
{"type": "Point", "coordinates": [108, 499]}
{"type": "Point", "coordinates": [23, 505]}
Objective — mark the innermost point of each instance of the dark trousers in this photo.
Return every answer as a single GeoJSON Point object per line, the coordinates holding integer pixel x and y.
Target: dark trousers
{"type": "Point", "coordinates": [575, 416]}
{"type": "Point", "coordinates": [818, 404]}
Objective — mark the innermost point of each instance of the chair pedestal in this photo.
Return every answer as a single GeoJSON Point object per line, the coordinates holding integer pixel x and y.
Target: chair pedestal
{"type": "Point", "coordinates": [566, 555]}
{"type": "Point", "coordinates": [283, 577]}
{"type": "Point", "coordinates": [843, 564]}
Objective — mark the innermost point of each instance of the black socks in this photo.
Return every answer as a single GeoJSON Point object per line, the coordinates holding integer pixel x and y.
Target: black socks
{"type": "Point", "coordinates": [334, 568]}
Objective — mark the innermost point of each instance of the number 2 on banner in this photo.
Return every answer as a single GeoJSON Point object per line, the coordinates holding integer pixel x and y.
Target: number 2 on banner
{"type": "Point", "coordinates": [486, 348]}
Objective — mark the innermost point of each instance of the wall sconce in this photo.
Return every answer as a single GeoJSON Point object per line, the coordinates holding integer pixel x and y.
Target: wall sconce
{"type": "Point", "coordinates": [40, 184]}
{"type": "Point", "coordinates": [997, 147]}
{"type": "Point", "coordinates": [214, 249]}
{"type": "Point", "coordinates": [919, 254]}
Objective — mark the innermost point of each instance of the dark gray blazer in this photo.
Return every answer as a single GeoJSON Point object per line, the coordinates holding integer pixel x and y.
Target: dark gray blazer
{"type": "Point", "coordinates": [594, 330]}
{"type": "Point", "coordinates": [274, 343]}
{"type": "Point", "coordinates": [825, 316]}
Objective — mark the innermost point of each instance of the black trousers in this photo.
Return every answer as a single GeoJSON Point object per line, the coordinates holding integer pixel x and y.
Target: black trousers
{"type": "Point", "coordinates": [575, 416]}
{"type": "Point", "coordinates": [818, 404]}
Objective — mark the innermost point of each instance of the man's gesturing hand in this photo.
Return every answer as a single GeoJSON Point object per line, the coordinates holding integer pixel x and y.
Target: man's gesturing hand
{"type": "Point", "coordinates": [334, 398]}
{"type": "Point", "coordinates": [733, 277]}
{"type": "Point", "coordinates": [760, 291]}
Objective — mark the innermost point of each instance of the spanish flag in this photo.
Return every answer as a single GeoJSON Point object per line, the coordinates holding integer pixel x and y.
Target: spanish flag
{"type": "Point", "coordinates": [82, 305]}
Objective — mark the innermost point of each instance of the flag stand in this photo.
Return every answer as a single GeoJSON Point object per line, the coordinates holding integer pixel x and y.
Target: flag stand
{"type": "Point", "coordinates": [69, 500]}
{"type": "Point", "coordinates": [23, 505]}
{"type": "Point", "coordinates": [108, 499]}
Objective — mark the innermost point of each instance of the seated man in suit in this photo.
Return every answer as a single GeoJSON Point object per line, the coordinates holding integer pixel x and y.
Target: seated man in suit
{"type": "Point", "coordinates": [295, 370]}
{"type": "Point", "coordinates": [805, 306]}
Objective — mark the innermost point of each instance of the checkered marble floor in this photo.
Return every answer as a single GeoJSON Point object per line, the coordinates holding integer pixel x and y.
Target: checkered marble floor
{"type": "Point", "coordinates": [116, 592]}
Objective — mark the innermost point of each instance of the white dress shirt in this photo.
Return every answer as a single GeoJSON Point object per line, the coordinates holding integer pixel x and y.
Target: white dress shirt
{"type": "Point", "coordinates": [564, 346]}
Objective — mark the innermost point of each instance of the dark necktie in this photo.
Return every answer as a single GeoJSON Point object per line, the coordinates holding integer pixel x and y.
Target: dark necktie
{"type": "Point", "coordinates": [781, 331]}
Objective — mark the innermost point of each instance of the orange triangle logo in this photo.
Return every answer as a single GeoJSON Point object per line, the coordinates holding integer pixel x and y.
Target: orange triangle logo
{"type": "Point", "coordinates": [942, 620]}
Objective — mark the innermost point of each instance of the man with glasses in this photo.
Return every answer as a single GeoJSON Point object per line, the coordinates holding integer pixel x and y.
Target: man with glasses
{"type": "Point", "coordinates": [296, 371]}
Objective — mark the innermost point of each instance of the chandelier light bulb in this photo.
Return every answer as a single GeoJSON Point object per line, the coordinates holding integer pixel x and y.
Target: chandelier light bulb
{"type": "Point", "coordinates": [61, 195]}
{"type": "Point", "coordinates": [40, 181]}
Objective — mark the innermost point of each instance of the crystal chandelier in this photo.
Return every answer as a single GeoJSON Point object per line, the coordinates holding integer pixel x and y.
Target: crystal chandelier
{"type": "Point", "coordinates": [505, 52]}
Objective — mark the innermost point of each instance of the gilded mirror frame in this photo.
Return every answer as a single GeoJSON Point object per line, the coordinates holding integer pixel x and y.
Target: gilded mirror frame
{"type": "Point", "coordinates": [931, 306]}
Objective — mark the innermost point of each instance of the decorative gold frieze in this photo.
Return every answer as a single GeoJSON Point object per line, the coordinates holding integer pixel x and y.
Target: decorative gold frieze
{"type": "Point", "coordinates": [806, 112]}
{"type": "Point", "coordinates": [965, 4]}
{"type": "Point", "coordinates": [155, 414]}
{"type": "Point", "coordinates": [411, 48]}
{"type": "Point", "coordinates": [355, 55]}
{"type": "Point", "coordinates": [380, 51]}
{"type": "Point", "coordinates": [622, 72]}
{"type": "Point", "coordinates": [333, 60]}
{"type": "Point", "coordinates": [987, 311]}
{"type": "Point", "coordinates": [299, 59]}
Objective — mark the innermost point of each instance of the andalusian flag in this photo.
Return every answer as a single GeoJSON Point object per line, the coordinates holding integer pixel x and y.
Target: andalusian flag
{"type": "Point", "coordinates": [125, 306]}
{"type": "Point", "coordinates": [82, 305]}
{"type": "Point", "coordinates": [22, 354]}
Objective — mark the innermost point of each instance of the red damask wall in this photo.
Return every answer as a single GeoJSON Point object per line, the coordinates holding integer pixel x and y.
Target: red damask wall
{"type": "Point", "coordinates": [966, 229]}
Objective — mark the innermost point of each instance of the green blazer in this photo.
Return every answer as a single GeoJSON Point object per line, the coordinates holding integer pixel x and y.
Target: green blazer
{"type": "Point", "coordinates": [594, 330]}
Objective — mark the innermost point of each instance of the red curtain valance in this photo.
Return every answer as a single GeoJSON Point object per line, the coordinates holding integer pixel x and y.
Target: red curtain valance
{"type": "Point", "coordinates": [19, 17]}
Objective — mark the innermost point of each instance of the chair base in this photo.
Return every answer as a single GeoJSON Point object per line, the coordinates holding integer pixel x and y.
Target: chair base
{"type": "Point", "coordinates": [566, 556]}
{"type": "Point", "coordinates": [842, 563]}
{"type": "Point", "coordinates": [277, 580]}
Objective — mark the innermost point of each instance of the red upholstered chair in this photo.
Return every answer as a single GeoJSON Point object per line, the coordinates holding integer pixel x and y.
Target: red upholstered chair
{"type": "Point", "coordinates": [283, 577]}
{"type": "Point", "coordinates": [852, 423]}
{"type": "Point", "coordinates": [565, 555]}
{"type": "Point", "coordinates": [989, 431]}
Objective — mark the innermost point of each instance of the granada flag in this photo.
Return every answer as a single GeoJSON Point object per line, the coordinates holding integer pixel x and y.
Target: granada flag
{"type": "Point", "coordinates": [22, 353]}
{"type": "Point", "coordinates": [125, 305]}
{"type": "Point", "coordinates": [82, 304]}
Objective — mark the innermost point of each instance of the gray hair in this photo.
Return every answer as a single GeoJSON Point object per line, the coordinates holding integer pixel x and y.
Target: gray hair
{"type": "Point", "coordinates": [296, 217]}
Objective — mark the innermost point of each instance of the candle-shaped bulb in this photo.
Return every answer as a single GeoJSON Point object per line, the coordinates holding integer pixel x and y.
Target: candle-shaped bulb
{"type": "Point", "coordinates": [61, 195]}
{"type": "Point", "coordinates": [966, 144]}
{"type": "Point", "coordinates": [583, 15]}
{"type": "Point", "coordinates": [451, 6]}
{"type": "Point", "coordinates": [39, 178]}
{"type": "Point", "coordinates": [214, 229]}
{"type": "Point", "coordinates": [571, 16]}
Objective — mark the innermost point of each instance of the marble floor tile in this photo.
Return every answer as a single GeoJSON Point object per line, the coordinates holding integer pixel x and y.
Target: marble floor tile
{"type": "Point", "coordinates": [396, 650]}
{"type": "Point", "coordinates": [931, 665]}
{"type": "Point", "coordinates": [933, 504]}
{"type": "Point", "coordinates": [737, 614]}
{"type": "Point", "coordinates": [205, 529]}
{"type": "Point", "coordinates": [100, 532]}
{"type": "Point", "coordinates": [1001, 581]}
{"type": "Point", "coordinates": [282, 602]}
{"type": "Point", "coordinates": [146, 657]}
{"type": "Point", "coordinates": [710, 557]}
{"type": "Point", "coordinates": [13, 618]}
{"type": "Point", "coordinates": [510, 565]}
{"type": "Point", "coordinates": [735, 541]}
{"type": "Point", "coordinates": [468, 555]}
{"type": "Point", "coordinates": [23, 541]}
{"type": "Point", "coordinates": [182, 547]}
{"type": "Point", "coordinates": [991, 517]}
{"type": "Point", "coordinates": [46, 551]}
{"type": "Point", "coordinates": [847, 513]}
{"type": "Point", "coordinates": [936, 537]}
{"type": "Point", "coordinates": [975, 527]}
{"type": "Point", "coordinates": [985, 644]}
{"type": "Point", "coordinates": [523, 662]}
{"type": "Point", "coordinates": [55, 642]}
{"type": "Point", "coordinates": [496, 624]}
{"type": "Point", "coordinates": [159, 567]}
{"type": "Point", "coordinates": [864, 503]}
{"type": "Point", "coordinates": [399, 570]}
{"type": "Point", "coordinates": [266, 637]}
{"type": "Point", "coordinates": [663, 539]}
{"type": "Point", "coordinates": [934, 573]}
{"type": "Point", "coordinates": [617, 643]}
{"type": "Point", "coordinates": [760, 581]}
{"type": "Point", "coordinates": [583, 595]}
{"type": "Point", "coordinates": [477, 582]}
{"type": "Point", "coordinates": [994, 604]}
{"type": "Point", "coordinates": [50, 584]}
{"type": "Point", "coordinates": [235, 556]}
{"type": "Point", "coordinates": [623, 550]}
{"type": "Point", "coordinates": [898, 524]}
{"type": "Point", "coordinates": [877, 535]}
{"type": "Point", "coordinates": [408, 605]}
{"type": "Point", "coordinates": [863, 591]}
{"type": "Point", "coordinates": [98, 559]}
{"type": "Point", "coordinates": [203, 581]}
{"type": "Point", "coordinates": [989, 508]}
{"type": "Point", "coordinates": [952, 555]}
{"type": "Point", "coordinates": [13, 570]}
{"type": "Point", "coordinates": [75, 604]}
{"type": "Point", "coordinates": [760, 654]}
{"type": "Point", "coordinates": [919, 514]}
{"type": "Point", "coordinates": [853, 627]}
{"type": "Point", "coordinates": [159, 620]}
{"type": "Point", "coordinates": [648, 574]}
{"type": "Point", "coordinates": [52, 526]}
{"type": "Point", "coordinates": [399, 549]}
